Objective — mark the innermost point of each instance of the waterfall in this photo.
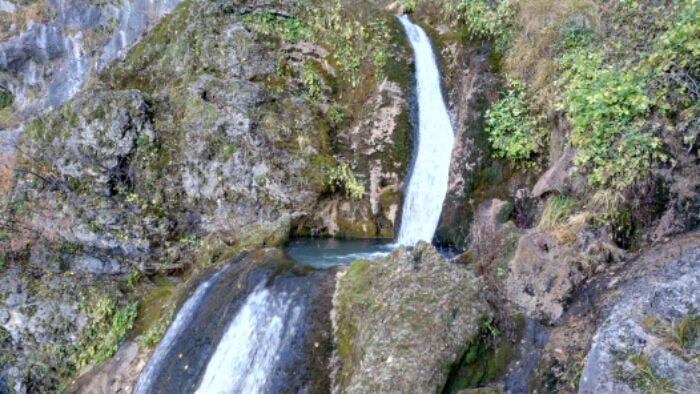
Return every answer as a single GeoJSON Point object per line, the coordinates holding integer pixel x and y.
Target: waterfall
{"type": "Point", "coordinates": [435, 139]}
{"type": "Point", "coordinates": [146, 380]}
{"type": "Point", "coordinates": [248, 353]}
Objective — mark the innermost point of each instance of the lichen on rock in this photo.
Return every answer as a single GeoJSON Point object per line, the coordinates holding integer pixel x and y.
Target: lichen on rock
{"type": "Point", "coordinates": [404, 321]}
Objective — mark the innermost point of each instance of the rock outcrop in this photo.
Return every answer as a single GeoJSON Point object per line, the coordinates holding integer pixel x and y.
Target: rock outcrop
{"type": "Point", "coordinates": [650, 333]}
{"type": "Point", "coordinates": [404, 321]}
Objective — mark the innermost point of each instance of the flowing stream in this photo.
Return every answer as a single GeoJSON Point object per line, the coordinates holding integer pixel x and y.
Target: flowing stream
{"type": "Point", "coordinates": [242, 329]}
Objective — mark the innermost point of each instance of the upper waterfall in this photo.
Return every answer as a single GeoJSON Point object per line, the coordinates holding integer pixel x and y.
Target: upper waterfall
{"type": "Point", "coordinates": [435, 139]}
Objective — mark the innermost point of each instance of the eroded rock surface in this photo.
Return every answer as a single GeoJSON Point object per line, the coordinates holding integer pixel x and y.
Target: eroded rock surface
{"type": "Point", "coordinates": [404, 320]}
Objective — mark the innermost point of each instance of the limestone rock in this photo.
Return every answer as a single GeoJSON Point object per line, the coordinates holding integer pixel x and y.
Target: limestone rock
{"type": "Point", "coordinates": [557, 177]}
{"type": "Point", "coordinates": [401, 319]}
{"type": "Point", "coordinates": [635, 321]}
{"type": "Point", "coordinates": [96, 266]}
{"type": "Point", "coordinates": [542, 277]}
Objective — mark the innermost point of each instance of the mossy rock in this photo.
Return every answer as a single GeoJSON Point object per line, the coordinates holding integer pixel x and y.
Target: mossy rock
{"type": "Point", "coordinates": [403, 318]}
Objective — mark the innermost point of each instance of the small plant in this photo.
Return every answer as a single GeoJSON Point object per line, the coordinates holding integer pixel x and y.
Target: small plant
{"type": "Point", "coordinates": [645, 379]}
{"type": "Point", "coordinates": [6, 99]}
{"type": "Point", "coordinates": [133, 277]}
{"type": "Point", "coordinates": [687, 330]}
{"type": "Point", "coordinates": [98, 113]}
{"type": "Point", "coordinates": [341, 177]}
{"type": "Point", "coordinates": [336, 115]}
{"type": "Point", "coordinates": [260, 180]}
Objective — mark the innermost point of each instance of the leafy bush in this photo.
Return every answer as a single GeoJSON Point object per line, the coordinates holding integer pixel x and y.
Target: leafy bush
{"type": "Point", "coordinates": [514, 130]}
{"type": "Point", "coordinates": [605, 106]}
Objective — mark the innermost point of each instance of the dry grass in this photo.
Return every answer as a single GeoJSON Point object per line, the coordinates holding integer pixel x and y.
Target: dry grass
{"type": "Point", "coordinates": [534, 48]}
{"type": "Point", "coordinates": [34, 12]}
{"type": "Point", "coordinates": [6, 173]}
{"type": "Point", "coordinates": [7, 120]}
{"type": "Point", "coordinates": [606, 203]}
{"type": "Point", "coordinates": [567, 232]}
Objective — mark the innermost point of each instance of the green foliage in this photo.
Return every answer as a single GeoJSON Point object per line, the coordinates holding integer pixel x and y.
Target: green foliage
{"type": "Point", "coordinates": [106, 326]}
{"type": "Point", "coordinates": [6, 99]}
{"type": "Point", "coordinates": [358, 50]}
{"type": "Point", "coordinates": [687, 330]}
{"type": "Point", "coordinates": [514, 130]}
{"type": "Point", "coordinates": [605, 104]}
{"type": "Point", "coordinates": [490, 19]}
{"type": "Point", "coordinates": [260, 180]}
{"type": "Point", "coordinates": [341, 177]}
{"type": "Point", "coordinates": [133, 277]}
{"type": "Point", "coordinates": [98, 113]}
{"type": "Point", "coordinates": [336, 115]}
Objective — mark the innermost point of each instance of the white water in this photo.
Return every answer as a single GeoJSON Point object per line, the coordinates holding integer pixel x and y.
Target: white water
{"type": "Point", "coordinates": [145, 381]}
{"type": "Point", "coordinates": [428, 184]}
{"type": "Point", "coordinates": [248, 352]}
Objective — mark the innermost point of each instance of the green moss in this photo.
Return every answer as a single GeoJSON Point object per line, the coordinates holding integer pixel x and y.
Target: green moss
{"type": "Point", "coordinates": [98, 114]}
{"type": "Point", "coordinates": [482, 363]}
{"type": "Point", "coordinates": [355, 284]}
{"type": "Point", "coordinates": [6, 99]}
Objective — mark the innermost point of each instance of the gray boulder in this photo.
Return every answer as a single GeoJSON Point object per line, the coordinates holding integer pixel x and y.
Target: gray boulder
{"type": "Point", "coordinates": [641, 327]}
{"type": "Point", "coordinates": [403, 320]}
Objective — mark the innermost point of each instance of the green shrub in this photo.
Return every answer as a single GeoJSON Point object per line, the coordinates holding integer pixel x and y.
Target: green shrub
{"type": "Point", "coordinates": [605, 104]}
{"type": "Point", "coordinates": [514, 130]}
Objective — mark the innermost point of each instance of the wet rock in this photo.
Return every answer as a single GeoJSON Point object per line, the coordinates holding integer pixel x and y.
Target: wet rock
{"type": "Point", "coordinates": [116, 376]}
{"type": "Point", "coordinates": [640, 322]}
{"type": "Point", "coordinates": [556, 179]}
{"type": "Point", "coordinates": [403, 320]}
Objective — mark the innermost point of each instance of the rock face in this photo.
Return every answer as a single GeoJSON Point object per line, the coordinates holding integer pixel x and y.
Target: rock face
{"type": "Point", "coordinates": [404, 321]}
{"type": "Point", "coordinates": [643, 326]}
{"type": "Point", "coordinates": [171, 146]}
{"type": "Point", "coordinates": [49, 50]}
{"type": "Point", "coordinates": [216, 131]}
{"type": "Point", "coordinates": [556, 179]}
{"type": "Point", "coordinates": [543, 276]}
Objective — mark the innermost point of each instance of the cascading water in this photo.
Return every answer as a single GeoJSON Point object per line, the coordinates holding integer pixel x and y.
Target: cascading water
{"type": "Point", "coordinates": [144, 384]}
{"type": "Point", "coordinates": [249, 351]}
{"type": "Point", "coordinates": [430, 174]}
{"type": "Point", "coordinates": [221, 342]}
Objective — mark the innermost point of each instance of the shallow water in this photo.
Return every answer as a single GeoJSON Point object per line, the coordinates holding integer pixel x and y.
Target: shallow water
{"type": "Point", "coordinates": [331, 252]}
